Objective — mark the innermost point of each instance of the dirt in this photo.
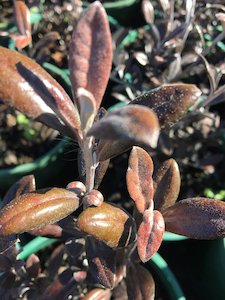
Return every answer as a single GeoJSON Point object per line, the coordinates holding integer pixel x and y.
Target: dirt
{"type": "Point", "coordinates": [22, 140]}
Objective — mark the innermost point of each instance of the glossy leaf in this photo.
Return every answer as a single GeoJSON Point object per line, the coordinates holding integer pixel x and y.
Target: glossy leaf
{"type": "Point", "coordinates": [166, 184]}
{"type": "Point", "coordinates": [139, 178]}
{"type": "Point", "coordinates": [25, 185]}
{"type": "Point", "coordinates": [140, 283]}
{"type": "Point", "coordinates": [90, 55]}
{"type": "Point", "coordinates": [101, 263]}
{"type": "Point", "coordinates": [170, 102]}
{"type": "Point", "coordinates": [150, 233]}
{"type": "Point", "coordinates": [30, 89]}
{"type": "Point", "coordinates": [107, 223]}
{"type": "Point", "coordinates": [35, 210]}
{"type": "Point", "coordinates": [132, 125]}
{"type": "Point", "coordinates": [197, 218]}
{"type": "Point", "coordinates": [98, 294]}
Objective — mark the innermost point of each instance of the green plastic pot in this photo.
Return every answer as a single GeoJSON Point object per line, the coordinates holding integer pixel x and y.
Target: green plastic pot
{"type": "Point", "coordinates": [172, 237]}
{"type": "Point", "coordinates": [48, 167]}
{"type": "Point", "coordinates": [199, 267]}
{"type": "Point", "coordinates": [165, 278]}
{"type": "Point", "coordinates": [44, 168]}
{"type": "Point", "coordinates": [126, 12]}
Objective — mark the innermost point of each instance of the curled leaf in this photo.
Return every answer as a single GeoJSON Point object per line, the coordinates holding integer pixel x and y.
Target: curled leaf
{"type": "Point", "coordinates": [139, 178]}
{"type": "Point", "coordinates": [166, 184]}
{"type": "Point", "coordinates": [197, 218]}
{"type": "Point", "coordinates": [37, 209]}
{"type": "Point", "coordinates": [150, 233]}
{"type": "Point", "coordinates": [30, 89]}
{"type": "Point", "coordinates": [90, 55]}
{"type": "Point", "coordinates": [131, 124]}
{"type": "Point", "coordinates": [107, 223]}
{"type": "Point", "coordinates": [170, 102]}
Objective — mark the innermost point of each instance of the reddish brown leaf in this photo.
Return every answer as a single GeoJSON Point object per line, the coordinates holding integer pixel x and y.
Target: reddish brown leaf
{"type": "Point", "coordinates": [22, 15]}
{"type": "Point", "coordinates": [139, 178]}
{"type": "Point", "coordinates": [30, 89]}
{"type": "Point", "coordinates": [132, 125]}
{"type": "Point", "coordinates": [140, 283]}
{"type": "Point", "coordinates": [170, 102]}
{"type": "Point", "coordinates": [100, 172]}
{"type": "Point", "coordinates": [150, 233]}
{"type": "Point", "coordinates": [107, 223]}
{"type": "Point", "coordinates": [198, 218]}
{"type": "Point", "coordinates": [33, 266]}
{"type": "Point", "coordinates": [98, 294]}
{"type": "Point", "coordinates": [22, 41]}
{"type": "Point", "coordinates": [51, 231]}
{"type": "Point", "coordinates": [25, 185]}
{"type": "Point", "coordinates": [60, 288]}
{"type": "Point", "coordinates": [108, 149]}
{"type": "Point", "coordinates": [101, 262]}
{"type": "Point", "coordinates": [35, 210]}
{"type": "Point", "coordinates": [55, 261]}
{"type": "Point", "coordinates": [90, 56]}
{"type": "Point", "coordinates": [166, 184]}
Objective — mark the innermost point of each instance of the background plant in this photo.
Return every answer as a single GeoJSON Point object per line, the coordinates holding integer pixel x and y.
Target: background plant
{"type": "Point", "coordinates": [104, 244]}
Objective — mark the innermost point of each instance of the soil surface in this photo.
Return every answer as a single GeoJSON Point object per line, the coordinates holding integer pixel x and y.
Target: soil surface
{"type": "Point", "coordinates": [22, 140]}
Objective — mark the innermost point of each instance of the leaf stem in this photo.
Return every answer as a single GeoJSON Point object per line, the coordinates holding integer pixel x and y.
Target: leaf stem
{"type": "Point", "coordinates": [90, 162]}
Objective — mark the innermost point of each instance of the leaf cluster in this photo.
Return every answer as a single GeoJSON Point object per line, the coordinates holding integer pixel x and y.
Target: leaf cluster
{"type": "Point", "coordinates": [102, 243]}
